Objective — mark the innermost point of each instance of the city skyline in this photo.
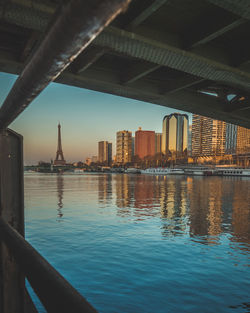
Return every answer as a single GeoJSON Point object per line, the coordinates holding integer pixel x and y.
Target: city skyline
{"type": "Point", "coordinates": [86, 116]}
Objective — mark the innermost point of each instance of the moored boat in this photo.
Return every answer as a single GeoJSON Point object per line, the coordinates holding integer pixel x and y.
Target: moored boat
{"type": "Point", "coordinates": [163, 171]}
{"type": "Point", "coordinates": [233, 172]}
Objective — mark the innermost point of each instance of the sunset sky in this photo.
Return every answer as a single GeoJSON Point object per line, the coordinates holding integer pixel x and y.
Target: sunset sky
{"type": "Point", "coordinates": [86, 117]}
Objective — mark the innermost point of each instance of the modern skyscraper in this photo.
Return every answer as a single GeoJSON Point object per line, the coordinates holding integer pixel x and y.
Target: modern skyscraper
{"type": "Point", "coordinates": [123, 146]}
{"type": "Point", "coordinates": [158, 139]}
{"type": "Point", "coordinates": [208, 137]}
{"type": "Point", "coordinates": [175, 135]}
{"type": "Point", "coordinates": [144, 143]}
{"type": "Point", "coordinates": [59, 160]}
{"type": "Point", "coordinates": [104, 152]}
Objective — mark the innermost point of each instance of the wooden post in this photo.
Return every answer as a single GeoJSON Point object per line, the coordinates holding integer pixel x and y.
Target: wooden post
{"type": "Point", "coordinates": [12, 283]}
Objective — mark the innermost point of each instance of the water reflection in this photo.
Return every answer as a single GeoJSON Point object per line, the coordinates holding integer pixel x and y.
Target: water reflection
{"type": "Point", "coordinates": [60, 187]}
{"type": "Point", "coordinates": [104, 189]}
{"type": "Point", "coordinates": [173, 244]}
{"type": "Point", "coordinates": [240, 213]}
{"type": "Point", "coordinates": [202, 208]}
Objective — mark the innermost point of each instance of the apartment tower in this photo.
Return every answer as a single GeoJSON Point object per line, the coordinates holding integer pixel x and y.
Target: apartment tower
{"type": "Point", "coordinates": [243, 140]}
{"type": "Point", "coordinates": [105, 152]}
{"type": "Point", "coordinates": [208, 136]}
{"type": "Point", "coordinates": [144, 143]}
{"type": "Point", "coordinates": [123, 146]}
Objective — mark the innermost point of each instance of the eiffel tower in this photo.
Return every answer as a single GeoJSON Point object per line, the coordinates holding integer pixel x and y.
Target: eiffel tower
{"type": "Point", "coordinates": [59, 153]}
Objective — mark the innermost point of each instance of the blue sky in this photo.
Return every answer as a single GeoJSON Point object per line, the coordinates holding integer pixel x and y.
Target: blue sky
{"type": "Point", "coordinates": [86, 117]}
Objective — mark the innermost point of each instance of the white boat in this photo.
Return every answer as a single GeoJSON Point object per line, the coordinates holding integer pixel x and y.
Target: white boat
{"type": "Point", "coordinates": [156, 171]}
{"type": "Point", "coordinates": [176, 171]}
{"type": "Point", "coordinates": [199, 171]}
{"type": "Point", "coordinates": [163, 171]}
{"type": "Point", "coordinates": [233, 172]}
{"type": "Point", "coordinates": [78, 171]}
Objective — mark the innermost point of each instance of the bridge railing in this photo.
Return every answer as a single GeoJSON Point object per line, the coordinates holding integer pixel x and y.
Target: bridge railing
{"type": "Point", "coordinates": [55, 293]}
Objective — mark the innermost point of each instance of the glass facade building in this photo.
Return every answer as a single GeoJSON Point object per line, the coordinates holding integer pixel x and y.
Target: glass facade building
{"type": "Point", "coordinates": [175, 135]}
{"type": "Point", "coordinates": [231, 138]}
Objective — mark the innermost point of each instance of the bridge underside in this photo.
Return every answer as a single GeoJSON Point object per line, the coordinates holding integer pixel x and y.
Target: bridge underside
{"type": "Point", "coordinates": [185, 54]}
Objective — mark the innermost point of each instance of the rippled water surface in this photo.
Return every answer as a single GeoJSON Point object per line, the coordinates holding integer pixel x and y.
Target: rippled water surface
{"type": "Point", "coordinates": [138, 243]}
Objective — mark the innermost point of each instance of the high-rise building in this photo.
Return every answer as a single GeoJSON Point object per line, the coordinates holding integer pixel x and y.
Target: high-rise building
{"type": "Point", "coordinates": [190, 140]}
{"type": "Point", "coordinates": [231, 138]}
{"type": "Point", "coordinates": [158, 139]}
{"type": "Point", "coordinates": [175, 134]}
{"type": "Point", "coordinates": [243, 140]}
{"type": "Point", "coordinates": [123, 146]}
{"type": "Point", "coordinates": [208, 136]}
{"type": "Point", "coordinates": [144, 143]}
{"type": "Point", "coordinates": [109, 153]}
{"type": "Point", "coordinates": [104, 152]}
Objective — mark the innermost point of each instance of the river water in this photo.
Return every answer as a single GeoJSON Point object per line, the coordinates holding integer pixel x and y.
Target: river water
{"type": "Point", "coordinates": [138, 243]}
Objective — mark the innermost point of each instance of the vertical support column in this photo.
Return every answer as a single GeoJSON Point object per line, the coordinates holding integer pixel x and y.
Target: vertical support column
{"type": "Point", "coordinates": [12, 283]}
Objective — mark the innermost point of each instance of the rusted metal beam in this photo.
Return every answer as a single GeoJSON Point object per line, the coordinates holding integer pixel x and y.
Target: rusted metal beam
{"type": "Point", "coordinates": [56, 294]}
{"type": "Point", "coordinates": [59, 48]}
